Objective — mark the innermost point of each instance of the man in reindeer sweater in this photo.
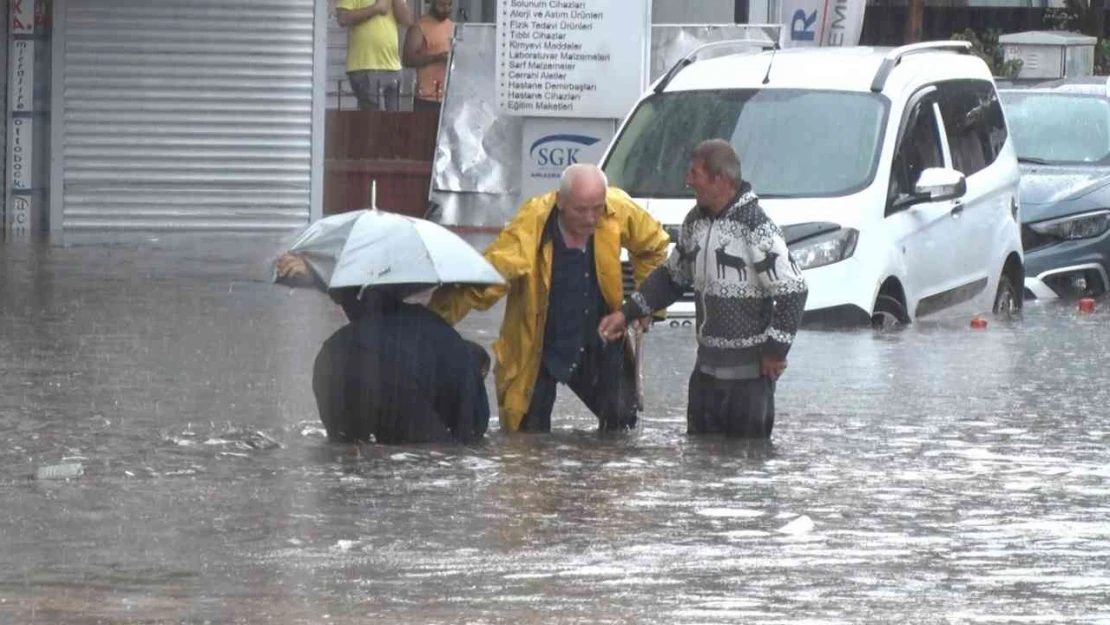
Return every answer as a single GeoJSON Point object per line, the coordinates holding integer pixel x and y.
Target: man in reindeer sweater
{"type": "Point", "coordinates": [750, 298]}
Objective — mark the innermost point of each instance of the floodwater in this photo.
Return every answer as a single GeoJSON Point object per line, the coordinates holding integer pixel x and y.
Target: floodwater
{"type": "Point", "coordinates": [935, 475]}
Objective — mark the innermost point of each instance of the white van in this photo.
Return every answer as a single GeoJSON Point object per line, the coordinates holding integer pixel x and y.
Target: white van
{"type": "Point", "coordinates": [891, 172]}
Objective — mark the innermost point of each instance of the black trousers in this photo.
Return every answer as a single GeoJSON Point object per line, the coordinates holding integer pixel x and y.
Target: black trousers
{"type": "Point", "coordinates": [604, 380]}
{"type": "Point", "coordinates": [740, 408]}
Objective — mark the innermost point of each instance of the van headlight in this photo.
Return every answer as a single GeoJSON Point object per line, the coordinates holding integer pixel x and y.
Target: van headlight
{"type": "Point", "coordinates": [825, 249]}
{"type": "Point", "coordinates": [1082, 226]}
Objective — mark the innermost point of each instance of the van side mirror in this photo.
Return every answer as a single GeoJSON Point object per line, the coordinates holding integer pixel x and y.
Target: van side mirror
{"type": "Point", "coordinates": [936, 184]}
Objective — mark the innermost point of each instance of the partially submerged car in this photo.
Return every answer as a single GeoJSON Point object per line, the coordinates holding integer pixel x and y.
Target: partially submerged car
{"type": "Point", "coordinates": [1061, 132]}
{"type": "Point", "coordinates": [891, 172]}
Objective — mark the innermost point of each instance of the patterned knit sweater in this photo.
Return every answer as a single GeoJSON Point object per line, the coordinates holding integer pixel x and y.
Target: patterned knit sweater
{"type": "Point", "coordinates": [750, 294]}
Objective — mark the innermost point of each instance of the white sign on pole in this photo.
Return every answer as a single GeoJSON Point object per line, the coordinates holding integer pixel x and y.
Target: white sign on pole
{"type": "Point", "coordinates": [549, 145]}
{"type": "Point", "coordinates": [22, 17]}
{"type": "Point", "coordinates": [822, 23]}
{"type": "Point", "coordinates": [571, 58]}
{"type": "Point", "coordinates": [21, 132]}
{"type": "Point", "coordinates": [21, 79]}
{"type": "Point", "coordinates": [21, 124]}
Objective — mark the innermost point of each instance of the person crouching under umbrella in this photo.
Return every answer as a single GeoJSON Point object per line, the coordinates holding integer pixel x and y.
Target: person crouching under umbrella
{"type": "Point", "coordinates": [397, 372]}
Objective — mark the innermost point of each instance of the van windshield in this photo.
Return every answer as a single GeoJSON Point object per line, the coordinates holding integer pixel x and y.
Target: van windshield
{"type": "Point", "coordinates": [791, 142]}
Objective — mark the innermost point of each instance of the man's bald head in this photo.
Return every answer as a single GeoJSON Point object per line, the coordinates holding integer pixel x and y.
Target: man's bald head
{"type": "Point", "coordinates": [581, 198]}
{"type": "Point", "coordinates": [582, 178]}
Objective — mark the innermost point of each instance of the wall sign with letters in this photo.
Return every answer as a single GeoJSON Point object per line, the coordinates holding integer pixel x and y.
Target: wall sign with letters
{"type": "Point", "coordinates": [26, 27]}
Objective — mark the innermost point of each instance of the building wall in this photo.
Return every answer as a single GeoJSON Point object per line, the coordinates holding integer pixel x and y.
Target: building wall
{"type": "Point", "coordinates": [693, 11]}
{"type": "Point", "coordinates": [4, 7]}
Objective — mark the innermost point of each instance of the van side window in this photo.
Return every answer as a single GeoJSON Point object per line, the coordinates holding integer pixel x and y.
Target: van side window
{"type": "Point", "coordinates": [918, 151]}
{"type": "Point", "coordinates": [973, 122]}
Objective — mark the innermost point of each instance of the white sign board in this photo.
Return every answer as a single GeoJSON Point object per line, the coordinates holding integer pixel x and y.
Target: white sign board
{"type": "Point", "coordinates": [21, 133]}
{"type": "Point", "coordinates": [22, 17]}
{"type": "Point", "coordinates": [571, 58]}
{"type": "Point", "coordinates": [20, 185]}
{"type": "Point", "coordinates": [549, 145]}
{"type": "Point", "coordinates": [822, 23]}
{"type": "Point", "coordinates": [21, 75]}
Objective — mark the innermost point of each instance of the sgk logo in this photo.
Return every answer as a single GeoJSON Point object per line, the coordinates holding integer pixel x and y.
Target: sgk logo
{"type": "Point", "coordinates": [560, 150]}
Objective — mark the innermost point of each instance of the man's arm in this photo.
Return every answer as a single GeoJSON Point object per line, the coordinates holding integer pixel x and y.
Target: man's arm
{"type": "Point", "coordinates": [457, 386]}
{"type": "Point", "coordinates": [646, 242]}
{"type": "Point", "coordinates": [509, 255]}
{"type": "Point", "coordinates": [402, 13]}
{"type": "Point", "coordinates": [663, 287]}
{"type": "Point", "coordinates": [412, 55]}
{"type": "Point", "coordinates": [348, 17]}
{"type": "Point", "coordinates": [786, 288]}
{"type": "Point", "coordinates": [453, 302]}
{"type": "Point", "coordinates": [292, 270]}
{"type": "Point", "coordinates": [471, 402]}
{"type": "Point", "coordinates": [658, 291]}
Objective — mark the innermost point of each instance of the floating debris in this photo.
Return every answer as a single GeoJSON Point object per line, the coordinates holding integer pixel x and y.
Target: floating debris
{"type": "Point", "coordinates": [67, 471]}
{"type": "Point", "coordinates": [800, 525]}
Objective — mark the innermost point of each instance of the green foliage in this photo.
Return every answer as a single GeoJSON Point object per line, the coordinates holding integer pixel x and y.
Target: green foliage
{"type": "Point", "coordinates": [985, 45]}
{"type": "Point", "coordinates": [1079, 16]}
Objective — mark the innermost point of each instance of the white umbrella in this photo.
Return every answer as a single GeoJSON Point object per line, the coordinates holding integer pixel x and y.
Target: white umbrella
{"type": "Point", "coordinates": [372, 247]}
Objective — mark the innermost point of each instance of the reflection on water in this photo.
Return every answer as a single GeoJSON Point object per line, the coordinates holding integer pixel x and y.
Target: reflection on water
{"type": "Point", "coordinates": [938, 474]}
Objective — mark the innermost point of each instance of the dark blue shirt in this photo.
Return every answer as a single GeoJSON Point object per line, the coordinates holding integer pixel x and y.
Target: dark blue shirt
{"type": "Point", "coordinates": [573, 307]}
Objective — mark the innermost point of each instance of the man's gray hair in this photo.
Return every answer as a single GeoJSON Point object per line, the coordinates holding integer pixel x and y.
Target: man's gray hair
{"type": "Point", "coordinates": [576, 172]}
{"type": "Point", "coordinates": [719, 159]}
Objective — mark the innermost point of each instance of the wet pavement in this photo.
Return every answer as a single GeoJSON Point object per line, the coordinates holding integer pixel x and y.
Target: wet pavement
{"type": "Point", "coordinates": [938, 474]}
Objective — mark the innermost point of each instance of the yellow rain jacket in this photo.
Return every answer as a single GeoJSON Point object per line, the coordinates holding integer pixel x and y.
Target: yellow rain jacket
{"type": "Point", "coordinates": [526, 266]}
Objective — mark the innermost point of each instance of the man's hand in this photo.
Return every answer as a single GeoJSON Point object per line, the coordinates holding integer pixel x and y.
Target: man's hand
{"type": "Point", "coordinates": [352, 17]}
{"type": "Point", "coordinates": [612, 327]}
{"type": "Point", "coordinates": [291, 265]}
{"type": "Point", "coordinates": [401, 12]}
{"type": "Point", "coordinates": [771, 367]}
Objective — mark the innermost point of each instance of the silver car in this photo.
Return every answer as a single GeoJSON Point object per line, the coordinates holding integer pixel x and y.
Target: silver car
{"type": "Point", "coordinates": [1061, 130]}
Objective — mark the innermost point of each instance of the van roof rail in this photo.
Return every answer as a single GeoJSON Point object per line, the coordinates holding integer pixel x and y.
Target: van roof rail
{"type": "Point", "coordinates": [692, 57]}
{"type": "Point", "coordinates": [895, 56]}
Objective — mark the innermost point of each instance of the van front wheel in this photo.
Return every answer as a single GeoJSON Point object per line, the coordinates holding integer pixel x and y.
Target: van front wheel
{"type": "Point", "coordinates": [1006, 300]}
{"type": "Point", "coordinates": [889, 313]}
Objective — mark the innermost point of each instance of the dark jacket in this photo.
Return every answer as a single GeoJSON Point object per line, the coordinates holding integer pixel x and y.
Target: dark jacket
{"type": "Point", "coordinates": [399, 373]}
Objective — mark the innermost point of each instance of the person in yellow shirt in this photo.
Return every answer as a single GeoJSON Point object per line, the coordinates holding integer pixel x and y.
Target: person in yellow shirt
{"type": "Point", "coordinates": [373, 56]}
{"type": "Point", "coordinates": [427, 46]}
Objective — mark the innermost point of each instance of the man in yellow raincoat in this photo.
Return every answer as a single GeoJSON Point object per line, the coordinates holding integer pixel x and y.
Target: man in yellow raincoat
{"type": "Point", "coordinates": [560, 257]}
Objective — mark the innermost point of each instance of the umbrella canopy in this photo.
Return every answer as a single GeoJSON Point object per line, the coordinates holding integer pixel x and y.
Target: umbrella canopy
{"type": "Point", "coordinates": [371, 247]}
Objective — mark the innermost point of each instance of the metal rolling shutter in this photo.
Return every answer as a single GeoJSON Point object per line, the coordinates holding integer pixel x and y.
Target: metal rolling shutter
{"type": "Point", "coordinates": [187, 114]}
{"type": "Point", "coordinates": [4, 116]}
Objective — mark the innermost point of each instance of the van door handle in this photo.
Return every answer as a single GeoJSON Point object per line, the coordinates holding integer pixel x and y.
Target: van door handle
{"type": "Point", "coordinates": [957, 210]}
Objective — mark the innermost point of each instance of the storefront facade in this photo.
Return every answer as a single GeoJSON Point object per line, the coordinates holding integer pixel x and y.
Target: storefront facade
{"type": "Point", "coordinates": [186, 115]}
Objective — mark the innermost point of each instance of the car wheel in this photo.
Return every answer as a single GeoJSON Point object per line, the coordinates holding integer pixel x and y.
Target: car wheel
{"type": "Point", "coordinates": [1006, 300]}
{"type": "Point", "coordinates": [889, 313]}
